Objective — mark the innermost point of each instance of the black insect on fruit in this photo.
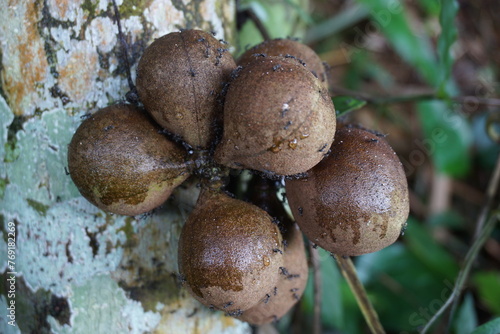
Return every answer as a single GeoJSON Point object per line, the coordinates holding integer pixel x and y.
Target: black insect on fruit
{"type": "Point", "coordinates": [290, 285]}
{"type": "Point", "coordinates": [275, 118]}
{"type": "Point", "coordinates": [179, 80]}
{"type": "Point", "coordinates": [355, 201]}
{"type": "Point", "coordinates": [288, 48]}
{"type": "Point", "coordinates": [121, 163]}
{"type": "Point", "coordinates": [226, 252]}
{"type": "Point", "coordinates": [294, 273]}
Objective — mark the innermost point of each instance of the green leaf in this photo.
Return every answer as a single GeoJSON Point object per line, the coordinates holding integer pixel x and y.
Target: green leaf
{"type": "Point", "coordinates": [488, 286]}
{"type": "Point", "coordinates": [451, 220]}
{"type": "Point", "coordinates": [412, 46]}
{"type": "Point", "coordinates": [421, 243]}
{"type": "Point", "coordinates": [344, 104]}
{"type": "Point", "coordinates": [342, 20]}
{"type": "Point", "coordinates": [430, 6]}
{"type": "Point", "coordinates": [281, 19]}
{"type": "Point", "coordinates": [399, 282]}
{"type": "Point", "coordinates": [339, 309]}
{"type": "Point", "coordinates": [447, 140]}
{"type": "Point", "coordinates": [492, 327]}
{"type": "Point", "coordinates": [447, 38]}
{"type": "Point", "coordinates": [466, 320]}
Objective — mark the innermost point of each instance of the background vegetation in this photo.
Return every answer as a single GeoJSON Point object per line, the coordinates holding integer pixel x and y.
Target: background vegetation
{"type": "Point", "coordinates": [424, 72]}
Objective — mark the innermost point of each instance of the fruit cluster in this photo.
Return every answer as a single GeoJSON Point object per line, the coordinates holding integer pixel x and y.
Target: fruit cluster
{"type": "Point", "coordinates": [272, 113]}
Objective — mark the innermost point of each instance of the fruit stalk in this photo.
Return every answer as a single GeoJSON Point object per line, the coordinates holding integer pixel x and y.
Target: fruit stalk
{"type": "Point", "coordinates": [349, 272]}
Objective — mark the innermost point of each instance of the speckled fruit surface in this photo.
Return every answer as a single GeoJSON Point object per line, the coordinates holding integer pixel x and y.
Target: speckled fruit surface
{"type": "Point", "coordinates": [230, 253]}
{"type": "Point", "coordinates": [356, 200]}
{"type": "Point", "coordinates": [278, 118]}
{"type": "Point", "coordinates": [121, 162]}
{"type": "Point", "coordinates": [179, 81]}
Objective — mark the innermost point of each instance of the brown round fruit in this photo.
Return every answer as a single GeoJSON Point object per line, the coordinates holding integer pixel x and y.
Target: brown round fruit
{"type": "Point", "coordinates": [229, 253]}
{"type": "Point", "coordinates": [179, 80]}
{"type": "Point", "coordinates": [121, 163]}
{"type": "Point", "coordinates": [277, 118]}
{"type": "Point", "coordinates": [355, 201]}
{"type": "Point", "coordinates": [290, 286]}
{"type": "Point", "coordinates": [288, 48]}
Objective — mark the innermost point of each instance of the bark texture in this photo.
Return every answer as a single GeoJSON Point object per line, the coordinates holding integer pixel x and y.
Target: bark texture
{"type": "Point", "coordinates": [79, 269]}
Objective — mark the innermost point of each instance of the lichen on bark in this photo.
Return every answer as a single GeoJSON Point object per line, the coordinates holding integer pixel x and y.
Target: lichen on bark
{"type": "Point", "coordinates": [62, 59]}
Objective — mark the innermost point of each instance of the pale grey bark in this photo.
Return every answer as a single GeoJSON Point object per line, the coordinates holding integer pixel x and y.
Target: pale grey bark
{"type": "Point", "coordinates": [79, 269]}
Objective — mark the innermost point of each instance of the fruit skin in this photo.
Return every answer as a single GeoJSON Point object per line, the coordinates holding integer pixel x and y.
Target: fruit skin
{"type": "Point", "coordinates": [229, 253]}
{"type": "Point", "coordinates": [355, 201]}
{"type": "Point", "coordinates": [121, 163]}
{"type": "Point", "coordinates": [179, 79]}
{"type": "Point", "coordinates": [290, 286]}
{"type": "Point", "coordinates": [278, 118]}
{"type": "Point", "coordinates": [288, 47]}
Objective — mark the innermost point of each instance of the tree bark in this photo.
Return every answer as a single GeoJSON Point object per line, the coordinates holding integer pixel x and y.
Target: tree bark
{"type": "Point", "coordinates": [76, 268]}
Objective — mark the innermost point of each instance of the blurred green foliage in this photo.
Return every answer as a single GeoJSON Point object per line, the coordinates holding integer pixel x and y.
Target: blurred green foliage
{"type": "Point", "coordinates": [281, 18]}
{"type": "Point", "coordinates": [492, 327]}
{"type": "Point", "coordinates": [487, 284]}
{"type": "Point", "coordinates": [410, 280]}
{"type": "Point", "coordinates": [448, 137]}
{"type": "Point", "coordinates": [466, 317]}
{"type": "Point", "coordinates": [345, 104]}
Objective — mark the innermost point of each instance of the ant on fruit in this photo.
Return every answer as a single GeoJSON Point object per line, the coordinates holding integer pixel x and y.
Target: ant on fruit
{"type": "Point", "coordinates": [235, 313]}
{"type": "Point", "coordinates": [227, 305]}
{"type": "Point", "coordinates": [323, 148]}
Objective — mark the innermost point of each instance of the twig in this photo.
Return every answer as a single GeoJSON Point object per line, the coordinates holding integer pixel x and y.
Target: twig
{"type": "Point", "coordinates": [349, 272]}
{"type": "Point", "coordinates": [258, 23]}
{"type": "Point", "coordinates": [124, 48]}
{"type": "Point", "coordinates": [413, 98]}
{"type": "Point", "coordinates": [464, 273]}
{"type": "Point", "coordinates": [317, 288]}
{"type": "Point", "coordinates": [490, 196]}
{"type": "Point", "coordinates": [481, 236]}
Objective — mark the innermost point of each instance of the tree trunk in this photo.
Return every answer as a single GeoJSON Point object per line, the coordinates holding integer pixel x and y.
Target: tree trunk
{"type": "Point", "coordinates": [76, 268]}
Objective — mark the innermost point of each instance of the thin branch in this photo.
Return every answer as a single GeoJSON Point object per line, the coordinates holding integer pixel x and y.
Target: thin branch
{"type": "Point", "coordinates": [464, 273]}
{"type": "Point", "coordinates": [414, 98]}
{"type": "Point", "coordinates": [490, 196]}
{"type": "Point", "coordinates": [317, 288]}
{"type": "Point", "coordinates": [349, 272]}
{"type": "Point", "coordinates": [124, 46]}
{"type": "Point", "coordinates": [488, 206]}
{"type": "Point", "coordinates": [482, 234]}
{"type": "Point", "coordinates": [258, 23]}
